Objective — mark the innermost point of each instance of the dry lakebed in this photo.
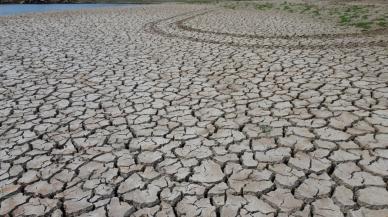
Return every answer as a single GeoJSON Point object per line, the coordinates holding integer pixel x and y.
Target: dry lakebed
{"type": "Point", "coordinates": [231, 109]}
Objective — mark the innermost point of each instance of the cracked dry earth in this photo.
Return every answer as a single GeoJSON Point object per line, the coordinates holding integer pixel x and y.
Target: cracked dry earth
{"type": "Point", "coordinates": [151, 111]}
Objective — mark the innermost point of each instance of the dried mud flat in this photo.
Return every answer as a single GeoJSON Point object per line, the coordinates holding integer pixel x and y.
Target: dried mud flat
{"type": "Point", "coordinates": [191, 110]}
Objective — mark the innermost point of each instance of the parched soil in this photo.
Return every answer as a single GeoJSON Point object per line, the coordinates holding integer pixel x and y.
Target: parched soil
{"type": "Point", "coordinates": [192, 110]}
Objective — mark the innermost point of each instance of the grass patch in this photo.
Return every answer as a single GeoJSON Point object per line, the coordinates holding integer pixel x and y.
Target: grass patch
{"type": "Point", "coordinates": [362, 17]}
{"type": "Point", "coordinates": [365, 25]}
{"type": "Point", "coordinates": [265, 128]}
{"type": "Point", "coordinates": [298, 8]}
{"type": "Point", "coordinates": [354, 15]}
{"type": "Point", "coordinates": [265, 6]}
{"type": "Point", "coordinates": [359, 16]}
{"type": "Point", "coordinates": [382, 22]}
{"type": "Point", "coordinates": [287, 8]}
{"type": "Point", "coordinates": [345, 19]}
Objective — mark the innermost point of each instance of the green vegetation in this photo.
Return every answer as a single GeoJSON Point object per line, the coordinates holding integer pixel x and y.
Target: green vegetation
{"type": "Point", "coordinates": [354, 16]}
{"type": "Point", "coordinates": [344, 19]}
{"type": "Point", "coordinates": [306, 8]}
{"type": "Point", "coordinates": [363, 24]}
{"type": "Point", "coordinates": [382, 22]}
{"type": "Point", "coordinates": [265, 6]}
{"type": "Point", "coordinates": [265, 128]}
{"type": "Point", "coordinates": [298, 8]}
{"type": "Point", "coordinates": [364, 17]}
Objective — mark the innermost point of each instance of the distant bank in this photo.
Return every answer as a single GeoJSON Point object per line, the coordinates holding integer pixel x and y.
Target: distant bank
{"type": "Point", "coordinates": [81, 1]}
{"type": "Point", "coordinates": [103, 1]}
{"type": "Point", "coordinates": [17, 9]}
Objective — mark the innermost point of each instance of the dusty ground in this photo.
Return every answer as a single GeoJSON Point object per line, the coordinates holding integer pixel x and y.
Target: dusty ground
{"type": "Point", "coordinates": [184, 110]}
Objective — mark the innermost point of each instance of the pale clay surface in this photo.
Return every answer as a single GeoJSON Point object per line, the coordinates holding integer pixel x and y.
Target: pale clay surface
{"type": "Point", "coordinates": [177, 110]}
